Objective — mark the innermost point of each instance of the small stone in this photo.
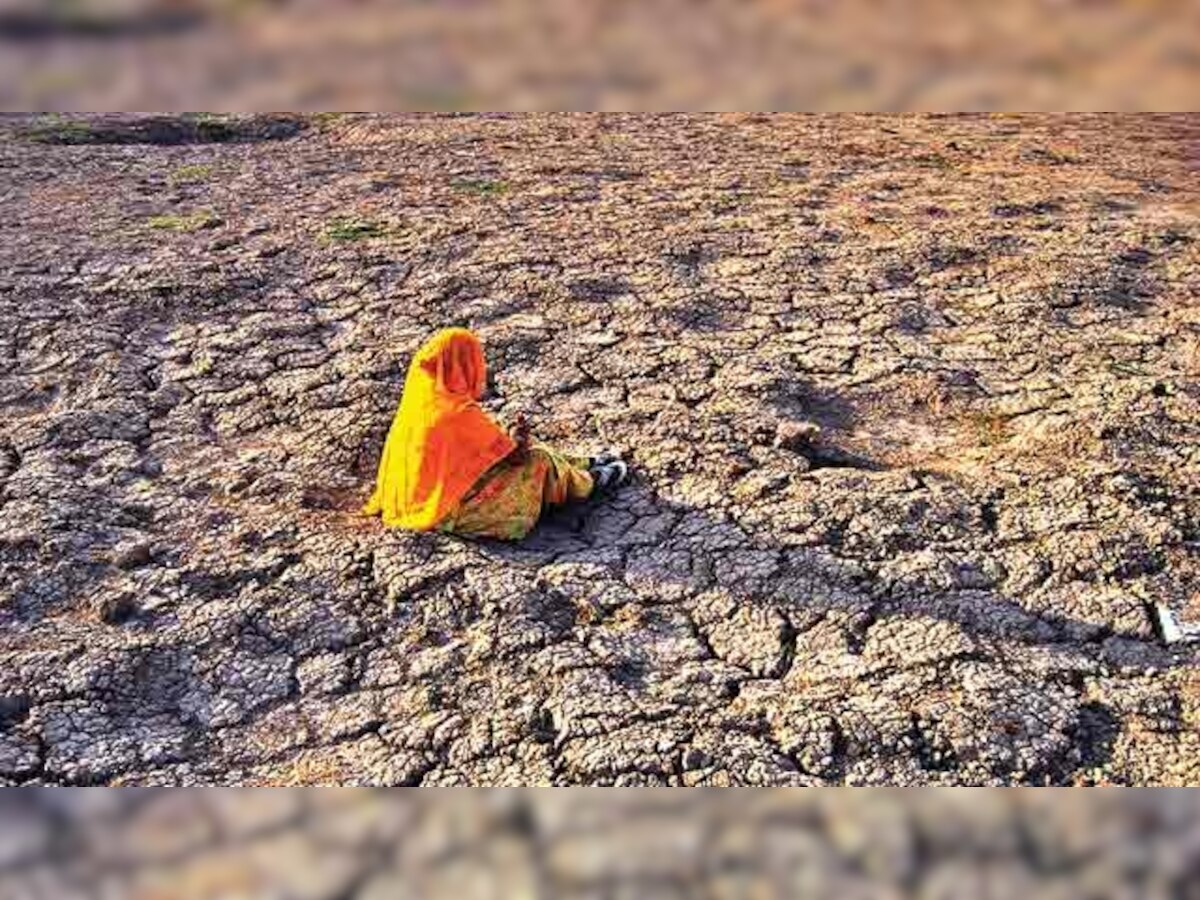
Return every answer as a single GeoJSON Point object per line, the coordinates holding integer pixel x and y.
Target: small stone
{"type": "Point", "coordinates": [795, 435]}
{"type": "Point", "coordinates": [132, 556]}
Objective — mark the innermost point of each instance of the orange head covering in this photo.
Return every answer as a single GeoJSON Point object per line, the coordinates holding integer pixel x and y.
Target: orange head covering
{"type": "Point", "coordinates": [440, 441]}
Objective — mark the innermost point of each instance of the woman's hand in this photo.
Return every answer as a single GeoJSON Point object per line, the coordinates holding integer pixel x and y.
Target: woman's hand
{"type": "Point", "coordinates": [519, 432]}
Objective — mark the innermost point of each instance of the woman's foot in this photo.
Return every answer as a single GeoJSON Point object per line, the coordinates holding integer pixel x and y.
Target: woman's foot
{"type": "Point", "coordinates": [608, 476]}
{"type": "Point", "coordinates": [603, 458]}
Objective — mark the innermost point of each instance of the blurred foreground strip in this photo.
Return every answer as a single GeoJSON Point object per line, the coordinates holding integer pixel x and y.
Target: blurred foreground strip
{"type": "Point", "coordinates": [598, 54]}
{"type": "Point", "coordinates": [579, 842]}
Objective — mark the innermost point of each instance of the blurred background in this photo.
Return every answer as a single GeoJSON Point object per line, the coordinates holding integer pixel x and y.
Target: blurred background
{"type": "Point", "coordinates": [447, 55]}
{"type": "Point", "coordinates": [616, 843]}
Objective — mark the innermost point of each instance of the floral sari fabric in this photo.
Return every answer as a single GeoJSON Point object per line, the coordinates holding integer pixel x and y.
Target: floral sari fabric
{"type": "Point", "coordinates": [508, 499]}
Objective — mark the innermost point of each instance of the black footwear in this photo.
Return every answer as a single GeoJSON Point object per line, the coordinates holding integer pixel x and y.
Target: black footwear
{"type": "Point", "coordinates": [610, 475]}
{"type": "Point", "coordinates": [603, 458]}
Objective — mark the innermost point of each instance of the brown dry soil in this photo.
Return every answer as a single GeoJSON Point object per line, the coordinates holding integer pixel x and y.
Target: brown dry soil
{"type": "Point", "coordinates": [204, 325]}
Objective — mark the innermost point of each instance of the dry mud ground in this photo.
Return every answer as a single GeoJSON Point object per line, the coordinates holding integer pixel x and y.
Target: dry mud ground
{"type": "Point", "coordinates": [204, 326]}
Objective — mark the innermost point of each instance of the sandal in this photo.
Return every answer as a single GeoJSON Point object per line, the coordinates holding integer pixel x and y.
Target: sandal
{"type": "Point", "coordinates": [609, 476]}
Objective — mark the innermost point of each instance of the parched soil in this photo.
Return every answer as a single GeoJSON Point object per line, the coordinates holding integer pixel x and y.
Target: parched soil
{"type": "Point", "coordinates": [913, 402]}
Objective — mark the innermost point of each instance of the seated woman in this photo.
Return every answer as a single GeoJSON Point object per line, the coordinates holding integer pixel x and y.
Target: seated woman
{"type": "Point", "coordinates": [447, 465]}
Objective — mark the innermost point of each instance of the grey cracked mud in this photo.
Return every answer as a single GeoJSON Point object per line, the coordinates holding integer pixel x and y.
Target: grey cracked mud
{"type": "Point", "coordinates": [913, 404]}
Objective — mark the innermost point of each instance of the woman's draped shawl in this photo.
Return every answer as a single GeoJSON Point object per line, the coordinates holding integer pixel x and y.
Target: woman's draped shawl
{"type": "Point", "coordinates": [440, 441]}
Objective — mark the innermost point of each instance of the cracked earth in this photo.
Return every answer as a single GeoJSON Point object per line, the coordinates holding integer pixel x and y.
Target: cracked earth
{"type": "Point", "coordinates": [913, 405]}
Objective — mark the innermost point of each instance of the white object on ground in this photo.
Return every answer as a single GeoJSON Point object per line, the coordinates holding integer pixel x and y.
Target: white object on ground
{"type": "Point", "coordinates": [1172, 630]}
